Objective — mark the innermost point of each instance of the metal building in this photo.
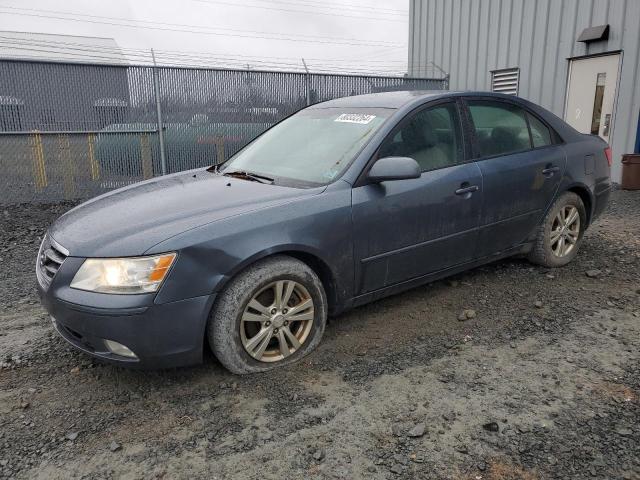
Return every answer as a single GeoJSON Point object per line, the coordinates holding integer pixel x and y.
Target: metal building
{"type": "Point", "coordinates": [578, 58]}
{"type": "Point", "coordinates": [61, 94]}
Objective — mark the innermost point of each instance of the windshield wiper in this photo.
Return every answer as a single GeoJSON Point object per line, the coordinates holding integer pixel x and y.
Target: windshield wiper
{"type": "Point", "coordinates": [249, 176]}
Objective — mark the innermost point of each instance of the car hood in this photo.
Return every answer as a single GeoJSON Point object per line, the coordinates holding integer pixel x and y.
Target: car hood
{"type": "Point", "coordinates": [131, 220]}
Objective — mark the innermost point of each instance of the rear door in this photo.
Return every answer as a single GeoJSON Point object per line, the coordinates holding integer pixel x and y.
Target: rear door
{"type": "Point", "coordinates": [521, 163]}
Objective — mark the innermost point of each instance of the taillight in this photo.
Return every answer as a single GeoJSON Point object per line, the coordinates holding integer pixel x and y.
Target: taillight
{"type": "Point", "coordinates": [607, 153]}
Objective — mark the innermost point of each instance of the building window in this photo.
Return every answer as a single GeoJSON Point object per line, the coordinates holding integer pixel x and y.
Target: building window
{"type": "Point", "coordinates": [597, 103]}
{"type": "Point", "coordinates": [505, 81]}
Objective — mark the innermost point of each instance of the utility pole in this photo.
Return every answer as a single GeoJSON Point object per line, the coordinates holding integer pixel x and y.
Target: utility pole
{"type": "Point", "coordinates": [308, 82]}
{"type": "Point", "coordinates": [156, 89]}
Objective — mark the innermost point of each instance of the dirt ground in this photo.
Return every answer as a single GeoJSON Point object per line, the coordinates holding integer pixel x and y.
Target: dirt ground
{"type": "Point", "coordinates": [544, 382]}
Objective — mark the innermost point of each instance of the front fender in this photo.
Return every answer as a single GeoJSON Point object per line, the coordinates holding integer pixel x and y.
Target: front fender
{"type": "Point", "coordinates": [209, 256]}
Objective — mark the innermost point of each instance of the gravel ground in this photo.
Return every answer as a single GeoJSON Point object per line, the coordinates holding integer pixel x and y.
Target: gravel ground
{"type": "Point", "coordinates": [542, 382]}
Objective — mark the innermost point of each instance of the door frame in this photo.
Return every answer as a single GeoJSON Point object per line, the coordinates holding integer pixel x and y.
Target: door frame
{"type": "Point", "coordinates": [615, 97]}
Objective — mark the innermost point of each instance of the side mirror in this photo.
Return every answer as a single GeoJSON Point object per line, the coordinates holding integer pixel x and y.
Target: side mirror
{"type": "Point", "coordinates": [394, 168]}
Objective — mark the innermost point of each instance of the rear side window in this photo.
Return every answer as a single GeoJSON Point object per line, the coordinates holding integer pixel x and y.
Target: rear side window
{"type": "Point", "coordinates": [540, 133]}
{"type": "Point", "coordinates": [501, 128]}
{"type": "Point", "coordinates": [432, 137]}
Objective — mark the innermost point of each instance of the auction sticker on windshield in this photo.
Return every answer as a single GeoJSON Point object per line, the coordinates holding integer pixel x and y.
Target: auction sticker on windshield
{"type": "Point", "coordinates": [355, 118]}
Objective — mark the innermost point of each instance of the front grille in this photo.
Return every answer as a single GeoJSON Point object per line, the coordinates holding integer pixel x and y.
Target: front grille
{"type": "Point", "coordinates": [50, 258]}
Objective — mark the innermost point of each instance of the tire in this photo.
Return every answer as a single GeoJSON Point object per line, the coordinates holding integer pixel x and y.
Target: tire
{"type": "Point", "coordinates": [228, 332]}
{"type": "Point", "coordinates": [545, 249]}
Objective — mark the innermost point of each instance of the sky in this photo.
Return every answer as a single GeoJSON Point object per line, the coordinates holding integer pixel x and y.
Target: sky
{"type": "Point", "coordinates": [334, 35]}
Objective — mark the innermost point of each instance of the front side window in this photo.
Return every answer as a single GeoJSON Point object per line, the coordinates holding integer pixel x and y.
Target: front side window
{"type": "Point", "coordinates": [501, 128]}
{"type": "Point", "coordinates": [312, 147]}
{"type": "Point", "coordinates": [431, 137]}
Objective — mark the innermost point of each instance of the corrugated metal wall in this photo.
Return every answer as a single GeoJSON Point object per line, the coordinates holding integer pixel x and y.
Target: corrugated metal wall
{"type": "Point", "coordinates": [469, 38]}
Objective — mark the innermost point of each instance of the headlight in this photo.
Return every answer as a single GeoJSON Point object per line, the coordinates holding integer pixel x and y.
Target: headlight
{"type": "Point", "coordinates": [123, 275]}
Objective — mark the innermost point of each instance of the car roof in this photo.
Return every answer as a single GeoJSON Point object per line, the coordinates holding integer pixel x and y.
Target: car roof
{"type": "Point", "coordinates": [401, 98]}
{"type": "Point", "coordinates": [406, 100]}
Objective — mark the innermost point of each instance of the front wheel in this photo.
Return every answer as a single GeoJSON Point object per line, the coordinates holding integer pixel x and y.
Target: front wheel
{"type": "Point", "coordinates": [271, 314]}
{"type": "Point", "coordinates": [559, 236]}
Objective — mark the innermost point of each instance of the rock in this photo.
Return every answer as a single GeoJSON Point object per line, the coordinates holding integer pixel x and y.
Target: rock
{"type": "Point", "coordinates": [72, 435]}
{"type": "Point", "coordinates": [593, 273]}
{"type": "Point", "coordinates": [537, 304]}
{"type": "Point", "coordinates": [625, 432]}
{"type": "Point", "coordinates": [75, 370]}
{"type": "Point", "coordinates": [396, 468]}
{"type": "Point", "coordinates": [24, 405]}
{"type": "Point", "coordinates": [466, 314]}
{"type": "Point", "coordinates": [491, 427]}
{"type": "Point", "coordinates": [397, 430]}
{"type": "Point", "coordinates": [401, 459]}
{"type": "Point", "coordinates": [462, 449]}
{"type": "Point", "coordinates": [115, 446]}
{"type": "Point", "coordinates": [417, 431]}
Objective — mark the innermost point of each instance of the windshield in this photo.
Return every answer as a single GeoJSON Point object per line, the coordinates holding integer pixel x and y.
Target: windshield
{"type": "Point", "coordinates": [314, 146]}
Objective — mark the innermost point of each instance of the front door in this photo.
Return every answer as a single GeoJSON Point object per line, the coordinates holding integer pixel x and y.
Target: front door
{"type": "Point", "coordinates": [591, 94]}
{"type": "Point", "coordinates": [405, 229]}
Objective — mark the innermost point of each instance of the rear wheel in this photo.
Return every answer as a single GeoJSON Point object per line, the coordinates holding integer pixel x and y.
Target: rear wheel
{"type": "Point", "coordinates": [559, 236]}
{"type": "Point", "coordinates": [272, 314]}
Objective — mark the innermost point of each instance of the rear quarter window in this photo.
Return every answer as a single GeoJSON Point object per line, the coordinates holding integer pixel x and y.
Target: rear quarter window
{"type": "Point", "coordinates": [540, 133]}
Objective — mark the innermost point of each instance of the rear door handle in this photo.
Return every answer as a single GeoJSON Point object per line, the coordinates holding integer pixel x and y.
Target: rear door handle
{"type": "Point", "coordinates": [550, 170]}
{"type": "Point", "coordinates": [464, 190]}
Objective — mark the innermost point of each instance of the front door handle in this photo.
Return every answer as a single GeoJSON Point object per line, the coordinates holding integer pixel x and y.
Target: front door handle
{"type": "Point", "coordinates": [550, 170]}
{"type": "Point", "coordinates": [466, 189]}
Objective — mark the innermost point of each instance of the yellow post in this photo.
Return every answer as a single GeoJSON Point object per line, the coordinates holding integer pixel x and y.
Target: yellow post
{"type": "Point", "coordinates": [93, 164]}
{"type": "Point", "coordinates": [145, 156]}
{"type": "Point", "coordinates": [219, 150]}
{"type": "Point", "coordinates": [68, 166]}
{"type": "Point", "coordinates": [39, 170]}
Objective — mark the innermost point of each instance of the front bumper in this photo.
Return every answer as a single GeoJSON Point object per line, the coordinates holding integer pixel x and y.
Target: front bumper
{"type": "Point", "coordinates": [160, 335]}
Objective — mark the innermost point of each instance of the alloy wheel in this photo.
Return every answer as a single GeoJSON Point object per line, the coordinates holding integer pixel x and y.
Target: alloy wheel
{"type": "Point", "coordinates": [565, 231]}
{"type": "Point", "coordinates": [277, 321]}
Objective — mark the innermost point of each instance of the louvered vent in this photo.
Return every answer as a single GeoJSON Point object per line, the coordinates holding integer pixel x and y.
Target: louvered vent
{"type": "Point", "coordinates": [505, 81]}
{"type": "Point", "coordinates": [50, 258]}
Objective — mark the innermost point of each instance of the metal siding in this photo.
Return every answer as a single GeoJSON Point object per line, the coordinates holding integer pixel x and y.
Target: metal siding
{"type": "Point", "coordinates": [493, 42]}
{"type": "Point", "coordinates": [413, 29]}
{"type": "Point", "coordinates": [553, 55]}
{"type": "Point", "coordinates": [483, 49]}
{"type": "Point", "coordinates": [474, 33]}
{"type": "Point", "coordinates": [438, 32]}
{"type": "Point", "coordinates": [456, 40]}
{"type": "Point", "coordinates": [527, 47]}
{"type": "Point", "coordinates": [538, 36]}
{"type": "Point", "coordinates": [463, 66]}
{"type": "Point", "coordinates": [504, 33]}
{"type": "Point", "coordinates": [431, 32]}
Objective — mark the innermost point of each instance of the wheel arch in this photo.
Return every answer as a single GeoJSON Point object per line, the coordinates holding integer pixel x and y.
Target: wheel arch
{"type": "Point", "coordinates": [585, 195]}
{"type": "Point", "coordinates": [306, 255]}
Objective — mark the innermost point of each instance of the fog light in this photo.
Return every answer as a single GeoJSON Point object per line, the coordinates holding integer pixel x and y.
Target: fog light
{"type": "Point", "coordinates": [119, 349]}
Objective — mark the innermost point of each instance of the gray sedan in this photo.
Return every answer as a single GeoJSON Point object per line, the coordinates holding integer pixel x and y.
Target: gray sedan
{"type": "Point", "coordinates": [342, 203]}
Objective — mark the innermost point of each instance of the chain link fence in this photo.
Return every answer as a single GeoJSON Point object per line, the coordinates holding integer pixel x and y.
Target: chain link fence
{"type": "Point", "coordinates": [72, 131]}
